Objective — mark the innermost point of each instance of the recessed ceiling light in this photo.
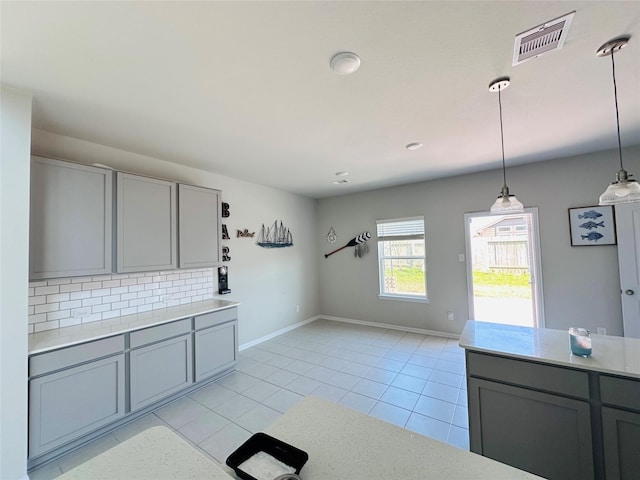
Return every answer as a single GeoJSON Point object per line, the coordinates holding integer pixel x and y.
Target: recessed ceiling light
{"type": "Point", "coordinates": [413, 146]}
{"type": "Point", "coordinates": [342, 180]}
{"type": "Point", "coordinates": [344, 63]}
{"type": "Point", "coordinates": [342, 174]}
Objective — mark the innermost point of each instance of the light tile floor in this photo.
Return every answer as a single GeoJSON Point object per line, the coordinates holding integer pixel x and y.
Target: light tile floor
{"type": "Point", "coordinates": [414, 381]}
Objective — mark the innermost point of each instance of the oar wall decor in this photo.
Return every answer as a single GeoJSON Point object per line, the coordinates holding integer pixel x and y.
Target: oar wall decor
{"type": "Point", "coordinates": [363, 237]}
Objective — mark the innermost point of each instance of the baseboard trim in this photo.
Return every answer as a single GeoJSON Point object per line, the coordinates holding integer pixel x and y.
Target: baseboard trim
{"type": "Point", "coordinates": [389, 326]}
{"type": "Point", "coordinates": [252, 343]}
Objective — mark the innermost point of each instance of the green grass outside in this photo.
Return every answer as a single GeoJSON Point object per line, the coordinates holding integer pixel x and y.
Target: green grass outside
{"type": "Point", "coordinates": [486, 284]}
{"type": "Point", "coordinates": [500, 284]}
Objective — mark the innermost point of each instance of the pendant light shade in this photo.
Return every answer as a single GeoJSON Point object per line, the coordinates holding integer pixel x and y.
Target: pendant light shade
{"type": "Point", "coordinates": [506, 202]}
{"type": "Point", "coordinates": [624, 189]}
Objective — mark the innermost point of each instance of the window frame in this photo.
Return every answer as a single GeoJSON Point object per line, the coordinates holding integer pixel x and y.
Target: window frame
{"type": "Point", "coordinates": [405, 297]}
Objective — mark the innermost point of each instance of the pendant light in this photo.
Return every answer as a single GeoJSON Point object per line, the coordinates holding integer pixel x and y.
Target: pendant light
{"type": "Point", "coordinates": [624, 189]}
{"type": "Point", "coordinates": [506, 202]}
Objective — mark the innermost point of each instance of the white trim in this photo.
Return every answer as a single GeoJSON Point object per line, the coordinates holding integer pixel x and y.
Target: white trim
{"type": "Point", "coordinates": [252, 343]}
{"type": "Point", "coordinates": [388, 326]}
{"type": "Point", "coordinates": [403, 298]}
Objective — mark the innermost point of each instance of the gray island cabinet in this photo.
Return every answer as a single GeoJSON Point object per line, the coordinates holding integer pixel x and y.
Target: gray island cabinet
{"type": "Point", "coordinates": [536, 407]}
{"type": "Point", "coordinates": [87, 381]}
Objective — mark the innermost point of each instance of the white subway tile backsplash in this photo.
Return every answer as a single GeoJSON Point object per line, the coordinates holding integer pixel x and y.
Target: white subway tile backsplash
{"type": "Point", "coordinates": [119, 305]}
{"type": "Point", "coordinates": [48, 290]}
{"type": "Point", "coordinates": [58, 297]}
{"type": "Point", "coordinates": [47, 307]}
{"type": "Point", "coordinates": [79, 295]}
{"type": "Point", "coordinates": [30, 329]}
{"type": "Point", "coordinates": [72, 287]}
{"type": "Point", "coordinates": [70, 304]}
{"type": "Point", "coordinates": [101, 308]}
{"type": "Point", "coordinates": [30, 311]}
{"type": "Point", "coordinates": [39, 300]}
{"type": "Point", "coordinates": [90, 302]}
{"type": "Point", "coordinates": [64, 302]}
{"type": "Point", "coordinates": [60, 314]}
{"type": "Point", "coordinates": [101, 292]}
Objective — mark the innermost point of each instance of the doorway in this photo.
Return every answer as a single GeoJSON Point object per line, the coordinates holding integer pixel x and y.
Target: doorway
{"type": "Point", "coordinates": [503, 268]}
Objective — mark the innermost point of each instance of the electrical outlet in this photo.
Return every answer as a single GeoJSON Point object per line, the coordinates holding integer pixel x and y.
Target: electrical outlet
{"type": "Point", "coordinates": [81, 312]}
{"type": "Point", "coordinates": [450, 316]}
{"type": "Point", "coordinates": [297, 308]}
{"type": "Point", "coordinates": [601, 331]}
{"type": "Point", "coordinates": [166, 298]}
{"type": "Point", "coordinates": [461, 257]}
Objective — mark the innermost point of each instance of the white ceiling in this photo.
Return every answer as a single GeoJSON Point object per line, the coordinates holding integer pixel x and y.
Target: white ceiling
{"type": "Point", "coordinates": [244, 89]}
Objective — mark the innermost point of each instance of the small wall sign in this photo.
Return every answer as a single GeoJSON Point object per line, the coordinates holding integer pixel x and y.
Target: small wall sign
{"type": "Point", "coordinates": [244, 233]}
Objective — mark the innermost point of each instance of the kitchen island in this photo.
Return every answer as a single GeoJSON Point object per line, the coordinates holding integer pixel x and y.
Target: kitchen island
{"type": "Point", "coordinates": [534, 405]}
{"type": "Point", "coordinates": [341, 443]}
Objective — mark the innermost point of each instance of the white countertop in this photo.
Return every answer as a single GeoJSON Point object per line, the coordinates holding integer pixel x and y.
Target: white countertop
{"type": "Point", "coordinates": [345, 444]}
{"type": "Point", "coordinates": [63, 337]}
{"type": "Point", "coordinates": [156, 453]}
{"type": "Point", "coordinates": [616, 355]}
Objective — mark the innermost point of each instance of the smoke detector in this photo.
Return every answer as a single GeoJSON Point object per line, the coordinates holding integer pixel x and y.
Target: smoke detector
{"type": "Point", "coordinates": [541, 39]}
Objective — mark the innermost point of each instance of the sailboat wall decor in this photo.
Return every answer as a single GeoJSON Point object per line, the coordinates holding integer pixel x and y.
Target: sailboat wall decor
{"type": "Point", "coordinates": [276, 236]}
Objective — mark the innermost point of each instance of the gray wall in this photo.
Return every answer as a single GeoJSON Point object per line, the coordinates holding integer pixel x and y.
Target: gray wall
{"type": "Point", "coordinates": [269, 283]}
{"type": "Point", "coordinates": [581, 284]}
{"type": "Point", "coordinates": [15, 131]}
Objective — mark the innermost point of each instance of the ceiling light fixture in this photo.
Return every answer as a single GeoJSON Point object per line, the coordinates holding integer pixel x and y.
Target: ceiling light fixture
{"type": "Point", "coordinates": [506, 202]}
{"type": "Point", "coordinates": [413, 146]}
{"type": "Point", "coordinates": [341, 181]}
{"type": "Point", "coordinates": [345, 63]}
{"type": "Point", "coordinates": [342, 174]}
{"type": "Point", "coordinates": [624, 189]}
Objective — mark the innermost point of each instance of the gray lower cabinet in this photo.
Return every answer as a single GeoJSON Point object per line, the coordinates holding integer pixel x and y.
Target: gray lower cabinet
{"type": "Point", "coordinates": [544, 434]}
{"type": "Point", "coordinates": [70, 403]}
{"type": "Point", "coordinates": [532, 416]}
{"type": "Point", "coordinates": [621, 434]}
{"type": "Point", "coordinates": [215, 349]}
{"type": "Point", "coordinates": [70, 219]}
{"type": "Point", "coordinates": [621, 426]}
{"type": "Point", "coordinates": [160, 369]}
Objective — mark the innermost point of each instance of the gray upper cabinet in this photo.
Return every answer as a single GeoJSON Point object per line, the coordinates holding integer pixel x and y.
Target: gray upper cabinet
{"type": "Point", "coordinates": [70, 219]}
{"type": "Point", "coordinates": [146, 224]}
{"type": "Point", "coordinates": [199, 226]}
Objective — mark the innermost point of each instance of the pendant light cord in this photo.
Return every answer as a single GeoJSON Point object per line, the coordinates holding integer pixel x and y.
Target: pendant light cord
{"type": "Point", "coordinates": [615, 96]}
{"type": "Point", "coordinates": [504, 168]}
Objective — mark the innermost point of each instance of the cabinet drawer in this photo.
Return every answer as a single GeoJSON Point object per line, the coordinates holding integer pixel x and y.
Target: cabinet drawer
{"type": "Point", "coordinates": [543, 377]}
{"type": "Point", "coordinates": [160, 332]}
{"type": "Point", "coordinates": [66, 357]}
{"type": "Point", "coordinates": [620, 392]}
{"type": "Point", "coordinates": [216, 318]}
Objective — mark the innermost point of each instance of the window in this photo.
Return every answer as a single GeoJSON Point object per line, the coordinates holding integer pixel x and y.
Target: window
{"type": "Point", "coordinates": [401, 259]}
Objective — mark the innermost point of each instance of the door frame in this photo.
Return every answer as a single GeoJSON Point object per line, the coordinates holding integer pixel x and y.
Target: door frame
{"type": "Point", "coordinates": [535, 261]}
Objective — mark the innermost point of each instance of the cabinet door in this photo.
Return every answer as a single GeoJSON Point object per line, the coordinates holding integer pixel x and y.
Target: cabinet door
{"type": "Point", "coordinates": [70, 403]}
{"type": "Point", "coordinates": [158, 370]}
{"type": "Point", "coordinates": [216, 349]}
{"type": "Point", "coordinates": [70, 219]}
{"type": "Point", "coordinates": [146, 227]}
{"type": "Point", "coordinates": [544, 434]}
{"type": "Point", "coordinates": [199, 226]}
{"type": "Point", "coordinates": [621, 439]}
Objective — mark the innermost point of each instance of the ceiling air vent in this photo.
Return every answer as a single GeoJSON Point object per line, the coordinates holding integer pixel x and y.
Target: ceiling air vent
{"type": "Point", "coordinates": [541, 39]}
